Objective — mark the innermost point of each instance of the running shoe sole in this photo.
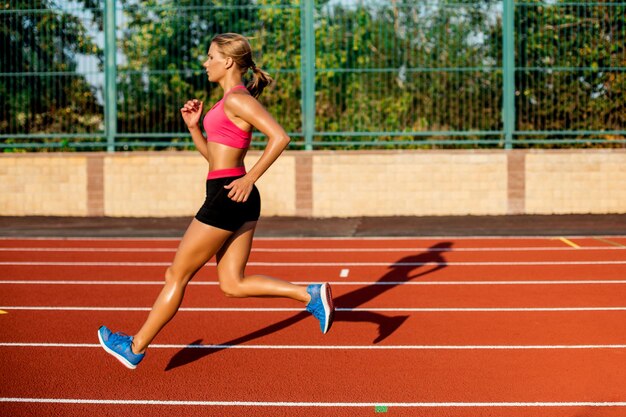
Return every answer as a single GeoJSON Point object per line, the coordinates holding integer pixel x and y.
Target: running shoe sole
{"type": "Point", "coordinates": [329, 306]}
{"type": "Point", "coordinates": [115, 354]}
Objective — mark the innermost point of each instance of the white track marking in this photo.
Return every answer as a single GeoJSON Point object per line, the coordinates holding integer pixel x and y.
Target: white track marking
{"type": "Point", "coordinates": [277, 404]}
{"type": "Point", "coordinates": [344, 273]}
{"type": "Point", "coordinates": [314, 250]}
{"type": "Point", "coordinates": [325, 264]}
{"type": "Point", "coordinates": [343, 283]}
{"type": "Point", "coordinates": [66, 282]}
{"type": "Point", "coordinates": [328, 347]}
{"type": "Point", "coordinates": [123, 250]}
{"type": "Point", "coordinates": [288, 239]}
{"type": "Point", "coordinates": [349, 310]}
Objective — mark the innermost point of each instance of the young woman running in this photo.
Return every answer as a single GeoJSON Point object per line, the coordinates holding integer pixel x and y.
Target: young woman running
{"type": "Point", "coordinates": [224, 225]}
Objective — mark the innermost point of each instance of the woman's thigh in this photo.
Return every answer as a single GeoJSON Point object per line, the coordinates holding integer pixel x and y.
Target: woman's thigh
{"type": "Point", "coordinates": [199, 244]}
{"type": "Point", "coordinates": [233, 256]}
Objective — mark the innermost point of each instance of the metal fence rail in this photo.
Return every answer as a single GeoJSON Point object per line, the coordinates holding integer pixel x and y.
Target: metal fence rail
{"type": "Point", "coordinates": [112, 74]}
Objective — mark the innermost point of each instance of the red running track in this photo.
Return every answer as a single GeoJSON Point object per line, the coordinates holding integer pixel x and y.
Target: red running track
{"type": "Point", "coordinates": [425, 327]}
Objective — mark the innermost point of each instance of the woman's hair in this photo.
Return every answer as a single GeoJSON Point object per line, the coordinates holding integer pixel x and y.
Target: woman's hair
{"type": "Point", "coordinates": [235, 46]}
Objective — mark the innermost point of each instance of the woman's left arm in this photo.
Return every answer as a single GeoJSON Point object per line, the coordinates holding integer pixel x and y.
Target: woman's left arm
{"type": "Point", "coordinates": [249, 109]}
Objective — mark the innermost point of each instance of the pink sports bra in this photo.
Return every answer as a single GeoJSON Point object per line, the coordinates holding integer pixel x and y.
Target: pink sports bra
{"type": "Point", "coordinates": [220, 129]}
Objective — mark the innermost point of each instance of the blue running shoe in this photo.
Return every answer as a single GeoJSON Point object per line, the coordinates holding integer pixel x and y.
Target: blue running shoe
{"type": "Point", "coordinates": [321, 305]}
{"type": "Point", "coordinates": [120, 346]}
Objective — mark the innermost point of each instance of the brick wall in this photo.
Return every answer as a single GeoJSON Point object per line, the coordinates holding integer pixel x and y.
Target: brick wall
{"type": "Point", "coordinates": [576, 182]}
{"type": "Point", "coordinates": [323, 183]}
{"type": "Point", "coordinates": [409, 183]}
{"type": "Point", "coordinates": [35, 185]}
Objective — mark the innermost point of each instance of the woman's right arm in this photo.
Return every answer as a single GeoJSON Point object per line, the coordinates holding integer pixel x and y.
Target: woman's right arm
{"type": "Point", "coordinates": [191, 112]}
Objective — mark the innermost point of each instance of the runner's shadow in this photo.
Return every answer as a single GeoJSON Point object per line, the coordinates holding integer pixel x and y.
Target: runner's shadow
{"type": "Point", "coordinates": [400, 272]}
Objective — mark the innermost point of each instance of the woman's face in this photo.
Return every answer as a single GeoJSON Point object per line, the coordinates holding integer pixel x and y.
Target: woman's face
{"type": "Point", "coordinates": [215, 64]}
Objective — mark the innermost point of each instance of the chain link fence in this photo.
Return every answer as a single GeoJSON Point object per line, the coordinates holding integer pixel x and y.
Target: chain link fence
{"type": "Point", "coordinates": [112, 74]}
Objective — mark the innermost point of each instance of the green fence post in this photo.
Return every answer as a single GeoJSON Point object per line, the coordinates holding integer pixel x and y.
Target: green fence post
{"type": "Point", "coordinates": [307, 71]}
{"type": "Point", "coordinates": [508, 71]}
{"type": "Point", "coordinates": [110, 75]}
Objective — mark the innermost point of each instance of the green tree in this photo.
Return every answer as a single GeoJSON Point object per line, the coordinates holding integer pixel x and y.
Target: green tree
{"type": "Point", "coordinates": [573, 57]}
{"type": "Point", "coordinates": [405, 66]}
{"type": "Point", "coordinates": [40, 89]}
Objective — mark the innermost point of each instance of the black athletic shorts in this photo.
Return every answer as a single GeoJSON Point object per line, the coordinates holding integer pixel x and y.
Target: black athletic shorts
{"type": "Point", "coordinates": [220, 211]}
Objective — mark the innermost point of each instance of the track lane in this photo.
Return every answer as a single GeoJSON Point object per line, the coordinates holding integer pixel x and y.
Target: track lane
{"type": "Point", "coordinates": [309, 273]}
{"type": "Point", "coordinates": [444, 376]}
{"type": "Point", "coordinates": [438, 253]}
{"type": "Point", "coordinates": [340, 243]}
{"type": "Point", "coordinates": [346, 296]}
{"type": "Point", "coordinates": [201, 409]}
{"type": "Point", "coordinates": [362, 328]}
{"type": "Point", "coordinates": [351, 376]}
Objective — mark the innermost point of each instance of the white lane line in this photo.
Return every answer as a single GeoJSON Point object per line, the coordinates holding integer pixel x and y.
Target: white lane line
{"type": "Point", "coordinates": [308, 250]}
{"type": "Point", "coordinates": [326, 264]}
{"type": "Point", "coordinates": [66, 282]}
{"type": "Point", "coordinates": [8, 263]}
{"type": "Point", "coordinates": [123, 250]}
{"type": "Point", "coordinates": [312, 239]}
{"type": "Point", "coordinates": [343, 283]}
{"type": "Point", "coordinates": [330, 347]}
{"type": "Point", "coordinates": [349, 310]}
{"type": "Point", "coordinates": [344, 273]}
{"type": "Point", "coordinates": [313, 404]}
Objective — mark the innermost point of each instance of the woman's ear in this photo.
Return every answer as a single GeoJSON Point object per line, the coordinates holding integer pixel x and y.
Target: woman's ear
{"type": "Point", "coordinates": [228, 62]}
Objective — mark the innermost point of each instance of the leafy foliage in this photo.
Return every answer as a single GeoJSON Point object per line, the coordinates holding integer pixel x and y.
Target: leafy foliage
{"type": "Point", "coordinates": [39, 88]}
{"type": "Point", "coordinates": [387, 72]}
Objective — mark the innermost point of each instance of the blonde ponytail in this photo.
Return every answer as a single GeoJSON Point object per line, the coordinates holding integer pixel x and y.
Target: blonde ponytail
{"type": "Point", "coordinates": [260, 80]}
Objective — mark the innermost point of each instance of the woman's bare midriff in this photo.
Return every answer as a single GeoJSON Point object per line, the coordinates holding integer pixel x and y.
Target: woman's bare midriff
{"type": "Point", "coordinates": [224, 157]}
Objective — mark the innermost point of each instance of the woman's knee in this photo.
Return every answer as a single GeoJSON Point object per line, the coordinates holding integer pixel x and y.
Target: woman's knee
{"type": "Point", "coordinates": [232, 287]}
{"type": "Point", "coordinates": [172, 276]}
